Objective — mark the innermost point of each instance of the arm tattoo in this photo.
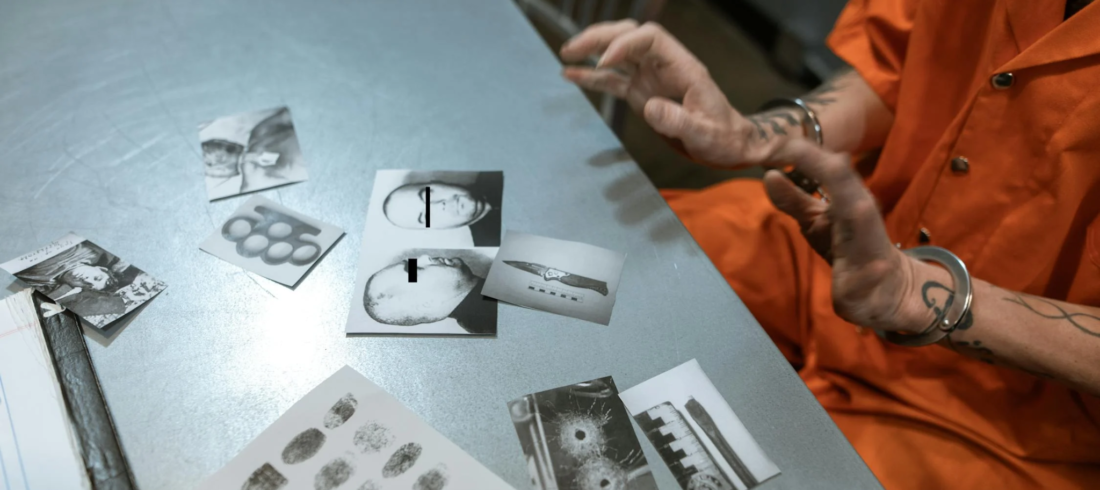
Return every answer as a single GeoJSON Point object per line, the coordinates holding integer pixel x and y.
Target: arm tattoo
{"type": "Point", "coordinates": [1075, 319]}
{"type": "Point", "coordinates": [781, 120]}
{"type": "Point", "coordinates": [930, 286]}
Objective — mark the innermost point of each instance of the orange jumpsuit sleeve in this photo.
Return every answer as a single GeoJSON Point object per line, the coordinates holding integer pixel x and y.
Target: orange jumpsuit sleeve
{"type": "Point", "coordinates": [873, 36]}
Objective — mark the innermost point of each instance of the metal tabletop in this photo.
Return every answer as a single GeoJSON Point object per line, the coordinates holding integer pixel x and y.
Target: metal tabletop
{"type": "Point", "coordinates": [99, 102]}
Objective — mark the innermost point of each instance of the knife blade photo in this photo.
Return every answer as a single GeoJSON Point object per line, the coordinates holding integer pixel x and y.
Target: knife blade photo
{"type": "Point", "coordinates": [551, 274]}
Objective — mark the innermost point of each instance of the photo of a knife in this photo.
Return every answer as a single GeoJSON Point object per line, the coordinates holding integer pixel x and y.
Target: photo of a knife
{"type": "Point", "coordinates": [551, 274]}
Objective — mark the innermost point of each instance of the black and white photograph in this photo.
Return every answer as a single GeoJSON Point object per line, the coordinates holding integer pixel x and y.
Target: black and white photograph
{"type": "Point", "coordinates": [249, 152]}
{"type": "Point", "coordinates": [558, 276]}
{"type": "Point", "coordinates": [424, 291]}
{"type": "Point", "coordinates": [77, 274]}
{"type": "Point", "coordinates": [442, 209]}
{"type": "Point", "coordinates": [348, 433]}
{"type": "Point", "coordinates": [696, 432]}
{"type": "Point", "coordinates": [271, 240]}
{"type": "Point", "coordinates": [579, 437]}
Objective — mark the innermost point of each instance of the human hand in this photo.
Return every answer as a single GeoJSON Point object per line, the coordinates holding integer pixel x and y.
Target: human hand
{"type": "Point", "coordinates": [873, 281]}
{"type": "Point", "coordinates": [669, 87]}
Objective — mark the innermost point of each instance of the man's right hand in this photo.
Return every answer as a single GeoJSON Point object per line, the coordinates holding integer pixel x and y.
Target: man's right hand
{"type": "Point", "coordinates": [669, 87]}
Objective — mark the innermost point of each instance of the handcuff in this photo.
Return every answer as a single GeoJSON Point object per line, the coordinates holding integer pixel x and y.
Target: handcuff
{"type": "Point", "coordinates": [954, 311]}
{"type": "Point", "coordinates": [810, 126]}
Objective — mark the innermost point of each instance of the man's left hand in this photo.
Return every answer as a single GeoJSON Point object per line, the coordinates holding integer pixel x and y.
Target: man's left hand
{"type": "Point", "coordinates": [872, 279]}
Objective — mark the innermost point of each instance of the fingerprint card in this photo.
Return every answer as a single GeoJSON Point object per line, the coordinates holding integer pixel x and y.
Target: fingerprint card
{"type": "Point", "coordinates": [348, 433]}
{"type": "Point", "coordinates": [579, 437]}
{"type": "Point", "coordinates": [272, 241]}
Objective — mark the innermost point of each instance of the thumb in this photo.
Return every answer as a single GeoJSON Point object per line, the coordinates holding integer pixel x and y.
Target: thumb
{"type": "Point", "coordinates": [788, 198]}
{"type": "Point", "coordinates": [668, 118]}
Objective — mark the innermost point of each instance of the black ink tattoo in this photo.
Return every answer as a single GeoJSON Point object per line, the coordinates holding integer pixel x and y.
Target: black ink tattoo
{"type": "Point", "coordinates": [984, 354]}
{"type": "Point", "coordinates": [774, 119]}
{"type": "Point", "coordinates": [967, 320]}
{"type": "Point", "coordinates": [822, 95]}
{"type": "Point", "coordinates": [1073, 318]}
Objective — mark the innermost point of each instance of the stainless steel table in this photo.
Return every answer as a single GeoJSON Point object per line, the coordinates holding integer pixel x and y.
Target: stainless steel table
{"type": "Point", "coordinates": [99, 102]}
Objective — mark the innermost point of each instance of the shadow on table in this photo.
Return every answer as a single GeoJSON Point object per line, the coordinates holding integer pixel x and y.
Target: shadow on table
{"type": "Point", "coordinates": [635, 203]}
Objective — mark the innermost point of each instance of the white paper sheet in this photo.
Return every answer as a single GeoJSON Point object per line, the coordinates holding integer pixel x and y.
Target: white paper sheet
{"type": "Point", "coordinates": [271, 240]}
{"type": "Point", "coordinates": [667, 408]}
{"type": "Point", "coordinates": [350, 434]}
{"type": "Point", "coordinates": [249, 152]}
{"type": "Point", "coordinates": [38, 449]}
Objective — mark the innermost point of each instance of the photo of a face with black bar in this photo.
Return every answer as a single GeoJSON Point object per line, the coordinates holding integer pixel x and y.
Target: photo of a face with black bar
{"type": "Point", "coordinates": [446, 201]}
{"type": "Point", "coordinates": [429, 291]}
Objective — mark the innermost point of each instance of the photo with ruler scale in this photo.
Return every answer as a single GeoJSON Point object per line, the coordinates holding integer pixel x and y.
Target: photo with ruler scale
{"type": "Point", "coordinates": [348, 433]}
{"type": "Point", "coordinates": [579, 437]}
{"type": "Point", "coordinates": [696, 432]}
{"type": "Point", "coordinates": [93, 283]}
{"type": "Point", "coordinates": [250, 152]}
{"type": "Point", "coordinates": [567, 278]}
{"type": "Point", "coordinates": [271, 240]}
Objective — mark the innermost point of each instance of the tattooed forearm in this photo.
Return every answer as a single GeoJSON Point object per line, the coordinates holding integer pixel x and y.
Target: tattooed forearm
{"type": "Point", "coordinates": [931, 290]}
{"type": "Point", "coordinates": [825, 93]}
{"type": "Point", "coordinates": [1082, 321]}
{"type": "Point", "coordinates": [778, 120]}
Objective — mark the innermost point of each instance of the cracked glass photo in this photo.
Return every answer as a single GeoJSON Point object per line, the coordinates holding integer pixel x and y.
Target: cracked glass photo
{"type": "Point", "coordinates": [579, 437]}
{"type": "Point", "coordinates": [249, 152]}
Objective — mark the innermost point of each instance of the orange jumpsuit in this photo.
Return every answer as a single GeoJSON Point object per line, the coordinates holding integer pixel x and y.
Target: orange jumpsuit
{"type": "Point", "coordinates": [1022, 213]}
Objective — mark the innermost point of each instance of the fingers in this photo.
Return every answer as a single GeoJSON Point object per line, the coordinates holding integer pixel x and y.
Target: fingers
{"type": "Point", "coordinates": [858, 231]}
{"type": "Point", "coordinates": [594, 40]}
{"type": "Point", "coordinates": [788, 198]}
{"type": "Point", "coordinates": [671, 119]}
{"type": "Point", "coordinates": [606, 81]}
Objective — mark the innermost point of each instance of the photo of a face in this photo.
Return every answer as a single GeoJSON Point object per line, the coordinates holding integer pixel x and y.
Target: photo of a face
{"type": "Point", "coordinates": [442, 209]}
{"type": "Point", "coordinates": [434, 205]}
{"type": "Point", "coordinates": [419, 291]}
{"type": "Point", "coordinates": [249, 152]}
{"type": "Point", "coordinates": [442, 283]}
{"type": "Point", "coordinates": [79, 275]}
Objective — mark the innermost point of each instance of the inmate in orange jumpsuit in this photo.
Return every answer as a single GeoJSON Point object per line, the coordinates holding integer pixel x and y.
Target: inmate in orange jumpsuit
{"type": "Point", "coordinates": [1022, 215]}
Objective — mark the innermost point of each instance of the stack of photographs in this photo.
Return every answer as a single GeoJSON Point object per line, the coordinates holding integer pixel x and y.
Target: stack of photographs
{"type": "Point", "coordinates": [428, 243]}
{"type": "Point", "coordinates": [93, 283]}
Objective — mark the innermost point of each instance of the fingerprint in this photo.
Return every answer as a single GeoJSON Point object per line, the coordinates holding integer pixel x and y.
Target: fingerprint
{"type": "Point", "coordinates": [600, 474]}
{"type": "Point", "coordinates": [581, 434]}
{"type": "Point", "coordinates": [341, 412]}
{"type": "Point", "coordinates": [333, 474]}
{"type": "Point", "coordinates": [434, 479]}
{"type": "Point", "coordinates": [372, 437]}
{"type": "Point", "coordinates": [303, 446]}
{"type": "Point", "coordinates": [265, 478]}
{"type": "Point", "coordinates": [402, 460]}
{"type": "Point", "coordinates": [369, 485]}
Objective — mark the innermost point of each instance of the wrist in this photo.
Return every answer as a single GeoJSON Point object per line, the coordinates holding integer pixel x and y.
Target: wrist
{"type": "Point", "coordinates": [928, 290]}
{"type": "Point", "coordinates": [766, 132]}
